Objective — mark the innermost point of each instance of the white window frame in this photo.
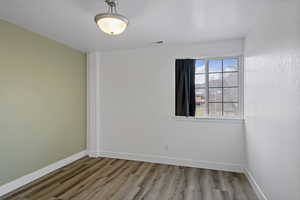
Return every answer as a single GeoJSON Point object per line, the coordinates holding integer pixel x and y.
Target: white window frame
{"type": "Point", "coordinates": [240, 117]}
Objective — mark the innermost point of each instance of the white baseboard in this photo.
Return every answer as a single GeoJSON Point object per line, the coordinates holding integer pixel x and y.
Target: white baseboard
{"type": "Point", "coordinates": [260, 194]}
{"type": "Point", "coordinates": [93, 154]}
{"type": "Point", "coordinates": [173, 161]}
{"type": "Point", "coordinates": [13, 185]}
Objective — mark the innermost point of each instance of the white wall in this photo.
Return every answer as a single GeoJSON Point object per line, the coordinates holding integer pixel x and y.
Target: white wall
{"type": "Point", "coordinates": [137, 97]}
{"type": "Point", "coordinates": [272, 100]}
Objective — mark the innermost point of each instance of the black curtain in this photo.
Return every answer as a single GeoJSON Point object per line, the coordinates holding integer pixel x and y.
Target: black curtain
{"type": "Point", "coordinates": [185, 87]}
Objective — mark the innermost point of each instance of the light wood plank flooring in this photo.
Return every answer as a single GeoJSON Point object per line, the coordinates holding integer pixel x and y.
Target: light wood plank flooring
{"type": "Point", "coordinates": [113, 179]}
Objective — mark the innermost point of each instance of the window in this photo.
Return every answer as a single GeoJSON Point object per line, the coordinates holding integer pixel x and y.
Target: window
{"type": "Point", "coordinates": [218, 87]}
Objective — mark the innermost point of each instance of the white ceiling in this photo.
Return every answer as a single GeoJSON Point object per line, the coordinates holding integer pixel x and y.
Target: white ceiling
{"type": "Point", "coordinates": [174, 21]}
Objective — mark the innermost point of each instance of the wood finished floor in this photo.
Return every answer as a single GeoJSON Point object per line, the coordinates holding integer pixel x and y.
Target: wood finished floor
{"type": "Point", "coordinates": [113, 179]}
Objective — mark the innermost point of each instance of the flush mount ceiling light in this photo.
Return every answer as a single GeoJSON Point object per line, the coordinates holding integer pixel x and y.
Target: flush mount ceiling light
{"type": "Point", "coordinates": [111, 22]}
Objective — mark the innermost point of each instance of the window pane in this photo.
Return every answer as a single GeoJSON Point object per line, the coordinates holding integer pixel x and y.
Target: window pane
{"type": "Point", "coordinates": [200, 95]}
{"type": "Point", "coordinates": [200, 66]}
{"type": "Point", "coordinates": [215, 109]}
{"type": "Point", "coordinates": [230, 65]}
{"type": "Point", "coordinates": [200, 80]}
{"type": "Point", "coordinates": [215, 66]}
{"type": "Point", "coordinates": [200, 102]}
{"type": "Point", "coordinates": [231, 94]}
{"type": "Point", "coordinates": [215, 80]}
{"type": "Point", "coordinates": [200, 109]}
{"type": "Point", "coordinates": [215, 94]}
{"type": "Point", "coordinates": [231, 109]}
{"type": "Point", "coordinates": [230, 79]}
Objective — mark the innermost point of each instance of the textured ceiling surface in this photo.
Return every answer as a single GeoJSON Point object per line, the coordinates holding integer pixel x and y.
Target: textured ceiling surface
{"type": "Point", "coordinates": [187, 21]}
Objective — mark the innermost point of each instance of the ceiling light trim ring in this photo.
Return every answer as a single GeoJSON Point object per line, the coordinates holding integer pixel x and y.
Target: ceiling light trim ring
{"type": "Point", "coordinates": [111, 22]}
{"type": "Point", "coordinates": [111, 15]}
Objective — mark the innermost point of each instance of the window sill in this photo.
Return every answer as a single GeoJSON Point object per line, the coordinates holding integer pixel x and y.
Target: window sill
{"type": "Point", "coordinates": [210, 119]}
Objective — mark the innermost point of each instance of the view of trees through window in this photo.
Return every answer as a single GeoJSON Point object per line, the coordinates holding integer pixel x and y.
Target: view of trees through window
{"type": "Point", "coordinates": [217, 87]}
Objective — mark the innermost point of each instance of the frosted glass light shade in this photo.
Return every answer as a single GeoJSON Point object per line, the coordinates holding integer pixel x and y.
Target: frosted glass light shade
{"type": "Point", "coordinates": [112, 24]}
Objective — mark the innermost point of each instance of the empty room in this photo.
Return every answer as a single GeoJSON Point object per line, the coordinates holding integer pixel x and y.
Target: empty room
{"type": "Point", "coordinates": [150, 100]}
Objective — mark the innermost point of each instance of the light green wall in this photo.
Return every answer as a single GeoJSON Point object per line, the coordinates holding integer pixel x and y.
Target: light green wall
{"type": "Point", "coordinates": [42, 101]}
